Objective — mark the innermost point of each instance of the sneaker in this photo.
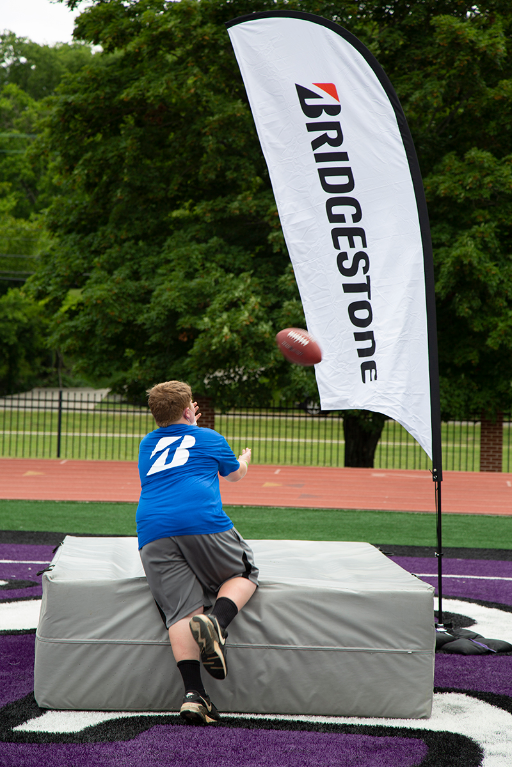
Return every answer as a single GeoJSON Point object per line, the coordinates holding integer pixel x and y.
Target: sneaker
{"type": "Point", "coordinates": [198, 709]}
{"type": "Point", "coordinates": [211, 640]}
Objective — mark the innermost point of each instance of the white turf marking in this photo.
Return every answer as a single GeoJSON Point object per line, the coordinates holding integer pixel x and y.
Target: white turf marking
{"type": "Point", "coordinates": [23, 562]}
{"type": "Point", "coordinates": [19, 616]}
{"type": "Point", "coordinates": [476, 577]}
{"type": "Point", "coordinates": [489, 622]}
{"type": "Point", "coordinates": [76, 721]}
{"type": "Point", "coordinates": [452, 712]}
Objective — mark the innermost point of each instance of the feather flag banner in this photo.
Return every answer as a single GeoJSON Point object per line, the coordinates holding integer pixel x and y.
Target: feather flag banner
{"type": "Point", "coordinates": [350, 198]}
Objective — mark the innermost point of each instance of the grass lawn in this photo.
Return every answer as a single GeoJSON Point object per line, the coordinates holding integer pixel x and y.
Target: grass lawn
{"type": "Point", "coordinates": [380, 527]}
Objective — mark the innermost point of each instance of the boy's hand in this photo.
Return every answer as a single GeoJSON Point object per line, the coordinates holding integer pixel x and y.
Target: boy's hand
{"type": "Point", "coordinates": [196, 408]}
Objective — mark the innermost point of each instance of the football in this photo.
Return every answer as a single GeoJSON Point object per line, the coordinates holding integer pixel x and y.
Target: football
{"type": "Point", "coordinates": [299, 346]}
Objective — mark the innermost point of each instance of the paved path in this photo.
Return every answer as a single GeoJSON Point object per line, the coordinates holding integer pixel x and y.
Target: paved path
{"type": "Point", "coordinates": [295, 486]}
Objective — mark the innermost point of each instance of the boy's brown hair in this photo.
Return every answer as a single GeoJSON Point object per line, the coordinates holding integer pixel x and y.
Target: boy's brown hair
{"type": "Point", "coordinates": [168, 400]}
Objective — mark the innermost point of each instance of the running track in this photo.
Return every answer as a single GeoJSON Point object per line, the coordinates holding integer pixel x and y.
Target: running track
{"type": "Point", "coordinates": [295, 486]}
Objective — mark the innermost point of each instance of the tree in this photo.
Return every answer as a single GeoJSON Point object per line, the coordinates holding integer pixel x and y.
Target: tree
{"type": "Point", "coordinates": [455, 85]}
{"type": "Point", "coordinates": [24, 358]}
{"type": "Point", "coordinates": [28, 73]}
{"type": "Point", "coordinates": [166, 220]}
{"type": "Point", "coordinates": [362, 430]}
{"type": "Point", "coordinates": [37, 69]}
{"type": "Point", "coordinates": [459, 107]}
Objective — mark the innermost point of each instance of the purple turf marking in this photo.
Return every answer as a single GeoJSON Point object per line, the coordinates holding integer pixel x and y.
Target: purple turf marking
{"type": "Point", "coordinates": [181, 746]}
{"type": "Point", "coordinates": [472, 588]}
{"type": "Point", "coordinates": [490, 567]}
{"type": "Point", "coordinates": [16, 666]}
{"type": "Point", "coordinates": [486, 673]}
{"type": "Point", "coordinates": [21, 573]}
{"type": "Point", "coordinates": [26, 551]}
{"type": "Point", "coordinates": [30, 554]}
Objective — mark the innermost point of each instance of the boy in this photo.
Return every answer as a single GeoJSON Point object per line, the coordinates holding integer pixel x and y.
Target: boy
{"type": "Point", "coordinates": [188, 546]}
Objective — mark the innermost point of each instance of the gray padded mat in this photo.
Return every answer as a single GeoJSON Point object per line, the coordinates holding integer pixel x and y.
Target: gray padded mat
{"type": "Point", "coordinates": [335, 628]}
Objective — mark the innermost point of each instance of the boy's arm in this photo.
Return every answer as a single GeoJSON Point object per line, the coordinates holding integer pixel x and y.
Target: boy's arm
{"type": "Point", "coordinates": [240, 473]}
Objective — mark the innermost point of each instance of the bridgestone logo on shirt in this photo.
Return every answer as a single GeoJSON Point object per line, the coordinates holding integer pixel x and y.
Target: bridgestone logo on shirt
{"type": "Point", "coordinates": [180, 457]}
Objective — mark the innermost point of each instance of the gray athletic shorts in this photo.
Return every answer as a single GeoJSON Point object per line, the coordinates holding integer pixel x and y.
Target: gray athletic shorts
{"type": "Point", "coordinates": [185, 572]}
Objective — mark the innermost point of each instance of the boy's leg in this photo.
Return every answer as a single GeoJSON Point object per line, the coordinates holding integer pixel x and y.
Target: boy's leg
{"type": "Point", "coordinates": [209, 631]}
{"type": "Point", "coordinates": [182, 642]}
{"type": "Point", "coordinates": [238, 590]}
{"type": "Point", "coordinates": [197, 707]}
{"type": "Point", "coordinates": [224, 564]}
{"type": "Point", "coordinates": [174, 587]}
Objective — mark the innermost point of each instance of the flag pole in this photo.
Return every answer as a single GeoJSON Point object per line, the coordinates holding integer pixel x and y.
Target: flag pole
{"type": "Point", "coordinates": [435, 398]}
{"type": "Point", "coordinates": [437, 462]}
{"type": "Point", "coordinates": [439, 553]}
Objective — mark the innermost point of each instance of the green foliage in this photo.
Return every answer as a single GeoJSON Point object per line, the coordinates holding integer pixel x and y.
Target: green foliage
{"type": "Point", "coordinates": [19, 174]}
{"type": "Point", "coordinates": [452, 69]}
{"type": "Point", "coordinates": [28, 73]}
{"type": "Point", "coordinates": [166, 219]}
{"type": "Point", "coordinates": [38, 69]}
{"type": "Point", "coordinates": [20, 242]}
{"type": "Point", "coordinates": [23, 354]}
{"type": "Point", "coordinates": [472, 198]}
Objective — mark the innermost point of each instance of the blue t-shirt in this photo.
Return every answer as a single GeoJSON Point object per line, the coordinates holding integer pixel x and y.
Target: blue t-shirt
{"type": "Point", "coordinates": [178, 468]}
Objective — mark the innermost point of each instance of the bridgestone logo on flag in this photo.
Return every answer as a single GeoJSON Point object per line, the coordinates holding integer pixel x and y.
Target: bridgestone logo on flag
{"type": "Point", "coordinates": [336, 178]}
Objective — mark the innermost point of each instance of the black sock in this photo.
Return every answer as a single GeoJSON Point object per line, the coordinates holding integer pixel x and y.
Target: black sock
{"type": "Point", "coordinates": [224, 610]}
{"type": "Point", "coordinates": [190, 671]}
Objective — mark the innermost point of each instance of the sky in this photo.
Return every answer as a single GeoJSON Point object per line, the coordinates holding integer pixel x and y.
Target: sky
{"type": "Point", "coordinates": [39, 20]}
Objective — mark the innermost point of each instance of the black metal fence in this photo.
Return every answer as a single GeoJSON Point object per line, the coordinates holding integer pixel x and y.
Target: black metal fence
{"type": "Point", "coordinates": [81, 424]}
{"type": "Point", "coordinates": [68, 423]}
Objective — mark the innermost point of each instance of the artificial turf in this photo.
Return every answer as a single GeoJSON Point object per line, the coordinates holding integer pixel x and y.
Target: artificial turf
{"type": "Point", "coordinates": [382, 527]}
